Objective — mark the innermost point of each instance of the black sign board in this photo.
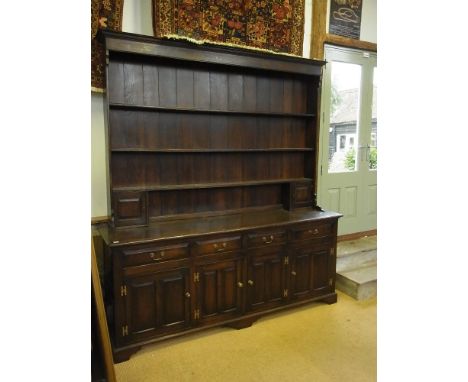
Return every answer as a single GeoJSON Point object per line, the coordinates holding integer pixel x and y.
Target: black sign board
{"type": "Point", "coordinates": [345, 18]}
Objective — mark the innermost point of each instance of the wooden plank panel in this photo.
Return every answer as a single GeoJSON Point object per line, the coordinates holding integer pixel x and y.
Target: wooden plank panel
{"type": "Point", "coordinates": [151, 166]}
{"type": "Point", "coordinates": [288, 100]}
{"type": "Point", "coordinates": [150, 137]}
{"type": "Point", "coordinates": [128, 169]}
{"type": "Point", "coordinates": [133, 83]}
{"type": "Point", "coordinates": [299, 96]}
{"type": "Point", "coordinates": [168, 168]}
{"type": "Point", "coordinates": [233, 166]}
{"type": "Point", "coordinates": [201, 83]}
{"type": "Point", "coordinates": [119, 123]}
{"type": "Point", "coordinates": [185, 93]}
{"type": "Point", "coordinates": [150, 85]}
{"type": "Point", "coordinates": [250, 93]}
{"type": "Point", "coordinates": [249, 133]}
{"type": "Point", "coordinates": [218, 131]}
{"type": "Point", "coordinates": [185, 130]}
{"type": "Point", "coordinates": [263, 94]}
{"type": "Point", "coordinates": [172, 289]}
{"type": "Point", "coordinates": [115, 82]}
{"type": "Point", "coordinates": [235, 91]}
{"type": "Point", "coordinates": [200, 126]}
{"type": "Point", "coordinates": [235, 131]}
{"type": "Point", "coordinates": [155, 203]}
{"type": "Point", "coordinates": [218, 91]}
{"type": "Point", "coordinates": [167, 86]}
{"type": "Point", "coordinates": [276, 95]}
{"type": "Point", "coordinates": [185, 167]}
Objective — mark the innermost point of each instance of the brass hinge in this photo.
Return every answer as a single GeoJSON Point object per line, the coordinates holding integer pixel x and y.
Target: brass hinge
{"type": "Point", "coordinates": [196, 277]}
{"type": "Point", "coordinates": [124, 330]}
{"type": "Point", "coordinates": [330, 282]}
{"type": "Point", "coordinates": [196, 314]}
{"type": "Point", "coordinates": [332, 252]}
{"type": "Point", "coordinates": [285, 293]}
{"type": "Point", "coordinates": [286, 260]}
{"type": "Point", "coordinates": [123, 290]}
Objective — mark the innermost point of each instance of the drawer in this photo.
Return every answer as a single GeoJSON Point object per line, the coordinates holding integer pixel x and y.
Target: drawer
{"type": "Point", "coordinates": [220, 244]}
{"type": "Point", "coordinates": [155, 254]}
{"type": "Point", "coordinates": [260, 239]}
{"type": "Point", "coordinates": [311, 231]}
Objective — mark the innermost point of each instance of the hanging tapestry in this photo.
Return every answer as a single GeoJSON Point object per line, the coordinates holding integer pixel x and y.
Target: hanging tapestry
{"type": "Point", "coordinates": [105, 14]}
{"type": "Point", "coordinates": [273, 25]}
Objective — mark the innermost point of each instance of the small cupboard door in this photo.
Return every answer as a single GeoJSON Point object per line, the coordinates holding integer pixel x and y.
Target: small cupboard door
{"type": "Point", "coordinates": [219, 287]}
{"type": "Point", "coordinates": [310, 272]}
{"type": "Point", "coordinates": [266, 278]}
{"type": "Point", "coordinates": [156, 304]}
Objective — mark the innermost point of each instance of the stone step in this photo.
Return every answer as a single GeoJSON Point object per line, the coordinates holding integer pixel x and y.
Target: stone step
{"type": "Point", "coordinates": [349, 247]}
{"type": "Point", "coordinates": [356, 260]}
{"type": "Point", "coordinates": [359, 283]}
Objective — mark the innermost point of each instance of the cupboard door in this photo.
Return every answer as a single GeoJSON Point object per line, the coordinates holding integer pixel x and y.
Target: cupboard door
{"type": "Point", "coordinates": [219, 287]}
{"type": "Point", "coordinates": [309, 273]}
{"type": "Point", "coordinates": [266, 279]}
{"type": "Point", "coordinates": [156, 304]}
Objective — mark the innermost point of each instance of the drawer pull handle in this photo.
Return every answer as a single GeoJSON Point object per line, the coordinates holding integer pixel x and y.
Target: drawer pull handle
{"type": "Point", "coordinates": [294, 273]}
{"type": "Point", "coordinates": [315, 231]}
{"type": "Point", "coordinates": [240, 285]}
{"type": "Point", "coordinates": [187, 294]}
{"type": "Point", "coordinates": [161, 255]}
{"type": "Point", "coordinates": [220, 248]}
{"type": "Point", "coordinates": [266, 241]}
{"type": "Point", "coordinates": [250, 282]}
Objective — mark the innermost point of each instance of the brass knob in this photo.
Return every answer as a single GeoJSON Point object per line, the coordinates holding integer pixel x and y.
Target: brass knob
{"type": "Point", "coordinates": [187, 294]}
{"type": "Point", "coordinates": [218, 248]}
{"type": "Point", "coordinates": [161, 255]}
{"type": "Point", "coordinates": [266, 241]}
{"type": "Point", "coordinates": [294, 273]}
{"type": "Point", "coordinates": [250, 282]}
{"type": "Point", "coordinates": [240, 285]}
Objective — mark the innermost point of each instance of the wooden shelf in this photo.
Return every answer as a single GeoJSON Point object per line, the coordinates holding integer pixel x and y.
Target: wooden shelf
{"type": "Point", "coordinates": [120, 106]}
{"type": "Point", "coordinates": [176, 151]}
{"type": "Point", "coordinates": [187, 186]}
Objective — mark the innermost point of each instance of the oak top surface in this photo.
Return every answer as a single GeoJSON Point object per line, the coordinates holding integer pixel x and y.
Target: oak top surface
{"type": "Point", "coordinates": [197, 226]}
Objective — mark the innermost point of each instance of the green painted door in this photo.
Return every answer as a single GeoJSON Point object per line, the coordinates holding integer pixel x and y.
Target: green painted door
{"type": "Point", "coordinates": [348, 147]}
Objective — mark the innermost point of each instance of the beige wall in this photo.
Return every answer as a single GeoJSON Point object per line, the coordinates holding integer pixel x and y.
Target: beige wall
{"type": "Point", "coordinates": [137, 19]}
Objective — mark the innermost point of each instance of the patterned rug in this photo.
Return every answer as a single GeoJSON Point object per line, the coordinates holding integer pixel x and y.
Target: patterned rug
{"type": "Point", "coordinates": [273, 25]}
{"type": "Point", "coordinates": [105, 14]}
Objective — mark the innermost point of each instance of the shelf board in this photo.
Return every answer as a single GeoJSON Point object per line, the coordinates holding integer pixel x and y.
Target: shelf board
{"type": "Point", "coordinates": [121, 106]}
{"type": "Point", "coordinates": [175, 151]}
{"type": "Point", "coordinates": [207, 185]}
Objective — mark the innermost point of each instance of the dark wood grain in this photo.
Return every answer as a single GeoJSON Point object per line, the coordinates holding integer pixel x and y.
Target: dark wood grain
{"type": "Point", "coordinates": [212, 161]}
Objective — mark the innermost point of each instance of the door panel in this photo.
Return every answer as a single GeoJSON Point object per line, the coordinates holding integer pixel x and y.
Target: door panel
{"type": "Point", "coordinates": [218, 291]}
{"type": "Point", "coordinates": [265, 278]}
{"type": "Point", "coordinates": [309, 276]}
{"type": "Point", "coordinates": [348, 154]}
{"type": "Point", "coordinates": [156, 304]}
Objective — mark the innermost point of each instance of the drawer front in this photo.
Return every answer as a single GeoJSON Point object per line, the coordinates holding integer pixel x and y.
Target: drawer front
{"type": "Point", "coordinates": [260, 239]}
{"type": "Point", "coordinates": [220, 244]}
{"type": "Point", "coordinates": [155, 254]}
{"type": "Point", "coordinates": [311, 231]}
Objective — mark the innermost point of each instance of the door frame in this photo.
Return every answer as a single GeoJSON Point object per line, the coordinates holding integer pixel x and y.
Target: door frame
{"type": "Point", "coordinates": [363, 176]}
